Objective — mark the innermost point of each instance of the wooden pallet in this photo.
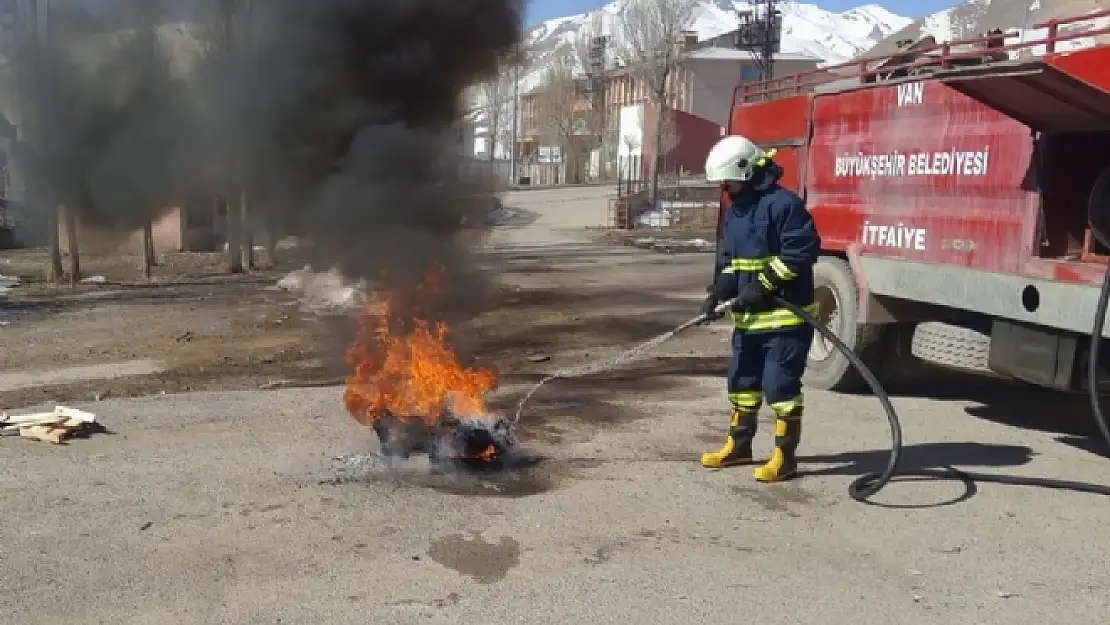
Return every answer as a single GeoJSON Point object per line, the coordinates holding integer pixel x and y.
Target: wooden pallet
{"type": "Point", "coordinates": [620, 213]}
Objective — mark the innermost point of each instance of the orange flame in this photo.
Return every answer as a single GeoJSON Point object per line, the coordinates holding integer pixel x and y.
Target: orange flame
{"type": "Point", "coordinates": [412, 373]}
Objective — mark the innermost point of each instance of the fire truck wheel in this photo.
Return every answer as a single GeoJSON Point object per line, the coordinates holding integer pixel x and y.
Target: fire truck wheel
{"type": "Point", "coordinates": [837, 301]}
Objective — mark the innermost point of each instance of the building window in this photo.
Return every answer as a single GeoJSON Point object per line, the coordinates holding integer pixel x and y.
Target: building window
{"type": "Point", "coordinates": [749, 73]}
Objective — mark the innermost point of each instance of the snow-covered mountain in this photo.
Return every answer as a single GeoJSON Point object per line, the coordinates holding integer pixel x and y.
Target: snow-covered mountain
{"type": "Point", "coordinates": [975, 17]}
{"type": "Point", "coordinates": [807, 28]}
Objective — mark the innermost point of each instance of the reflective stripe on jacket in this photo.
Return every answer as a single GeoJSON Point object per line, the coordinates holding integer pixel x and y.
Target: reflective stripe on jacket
{"type": "Point", "coordinates": [768, 230]}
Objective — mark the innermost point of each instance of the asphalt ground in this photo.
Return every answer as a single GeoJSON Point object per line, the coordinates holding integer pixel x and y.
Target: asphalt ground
{"type": "Point", "coordinates": [231, 507]}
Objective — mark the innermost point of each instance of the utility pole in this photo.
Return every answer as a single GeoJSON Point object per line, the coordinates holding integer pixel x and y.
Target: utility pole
{"type": "Point", "coordinates": [759, 31]}
{"type": "Point", "coordinates": [594, 88]}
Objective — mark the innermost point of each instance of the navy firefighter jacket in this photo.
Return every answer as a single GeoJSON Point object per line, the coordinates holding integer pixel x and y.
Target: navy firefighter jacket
{"type": "Point", "coordinates": [769, 229]}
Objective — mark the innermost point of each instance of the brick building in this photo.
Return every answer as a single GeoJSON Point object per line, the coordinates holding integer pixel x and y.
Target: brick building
{"type": "Point", "coordinates": [702, 97]}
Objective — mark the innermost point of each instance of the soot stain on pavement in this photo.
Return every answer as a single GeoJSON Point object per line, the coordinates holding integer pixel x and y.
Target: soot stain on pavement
{"type": "Point", "coordinates": [485, 562]}
{"type": "Point", "coordinates": [519, 476]}
{"type": "Point", "coordinates": [775, 497]}
{"type": "Point", "coordinates": [504, 485]}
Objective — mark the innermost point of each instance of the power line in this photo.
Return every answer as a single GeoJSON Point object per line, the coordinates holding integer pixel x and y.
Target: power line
{"type": "Point", "coordinates": [759, 30]}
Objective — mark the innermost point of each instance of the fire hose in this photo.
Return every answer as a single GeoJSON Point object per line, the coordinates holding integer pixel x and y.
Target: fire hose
{"type": "Point", "coordinates": [863, 487]}
{"type": "Point", "coordinates": [866, 485]}
{"type": "Point", "coordinates": [1098, 214]}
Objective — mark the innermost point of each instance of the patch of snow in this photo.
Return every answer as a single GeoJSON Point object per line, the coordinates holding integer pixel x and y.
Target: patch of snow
{"type": "Point", "coordinates": [324, 292]}
{"type": "Point", "coordinates": [673, 246]}
{"type": "Point", "coordinates": [1039, 34]}
{"type": "Point", "coordinates": [654, 218]}
{"type": "Point", "coordinates": [501, 215]}
{"type": "Point", "coordinates": [7, 283]}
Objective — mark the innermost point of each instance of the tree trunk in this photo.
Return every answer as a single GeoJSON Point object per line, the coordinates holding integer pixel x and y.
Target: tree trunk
{"type": "Point", "coordinates": [234, 237]}
{"type": "Point", "coordinates": [149, 243]}
{"type": "Point", "coordinates": [248, 238]}
{"type": "Point", "coordinates": [56, 269]}
{"type": "Point", "coordinates": [657, 158]}
{"type": "Point", "coordinates": [74, 247]}
{"type": "Point", "coordinates": [148, 250]}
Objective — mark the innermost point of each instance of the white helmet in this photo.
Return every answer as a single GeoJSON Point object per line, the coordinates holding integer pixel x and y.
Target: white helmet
{"type": "Point", "coordinates": [734, 158]}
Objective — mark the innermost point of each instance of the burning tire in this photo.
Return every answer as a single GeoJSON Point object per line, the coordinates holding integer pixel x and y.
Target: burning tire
{"type": "Point", "coordinates": [837, 300]}
{"type": "Point", "coordinates": [409, 385]}
{"type": "Point", "coordinates": [470, 443]}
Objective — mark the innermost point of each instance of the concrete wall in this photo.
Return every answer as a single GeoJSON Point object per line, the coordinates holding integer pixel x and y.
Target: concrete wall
{"type": "Point", "coordinates": [167, 236]}
{"type": "Point", "coordinates": [710, 83]}
{"type": "Point", "coordinates": [170, 231]}
{"type": "Point", "coordinates": [686, 148]}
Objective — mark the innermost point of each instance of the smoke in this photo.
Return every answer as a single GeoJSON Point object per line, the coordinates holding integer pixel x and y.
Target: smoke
{"type": "Point", "coordinates": [104, 115]}
{"type": "Point", "coordinates": [334, 119]}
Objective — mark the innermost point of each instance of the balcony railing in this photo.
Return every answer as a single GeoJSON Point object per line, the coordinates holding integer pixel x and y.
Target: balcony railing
{"type": "Point", "coordinates": [918, 61]}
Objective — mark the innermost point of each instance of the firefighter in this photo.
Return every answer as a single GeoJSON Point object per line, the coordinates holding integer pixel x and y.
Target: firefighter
{"type": "Point", "coordinates": [769, 246]}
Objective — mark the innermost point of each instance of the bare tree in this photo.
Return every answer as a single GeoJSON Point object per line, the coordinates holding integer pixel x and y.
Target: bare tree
{"type": "Point", "coordinates": [498, 100]}
{"type": "Point", "coordinates": [562, 113]}
{"type": "Point", "coordinates": [150, 13]}
{"type": "Point", "coordinates": [667, 137]}
{"type": "Point", "coordinates": [227, 43]}
{"type": "Point", "coordinates": [37, 108]}
{"type": "Point", "coordinates": [653, 33]}
{"type": "Point", "coordinates": [496, 94]}
{"type": "Point", "coordinates": [148, 250]}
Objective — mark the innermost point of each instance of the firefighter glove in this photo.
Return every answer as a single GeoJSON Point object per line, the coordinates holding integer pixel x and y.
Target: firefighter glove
{"type": "Point", "coordinates": [709, 306]}
{"type": "Point", "coordinates": [753, 297]}
{"type": "Point", "coordinates": [725, 287]}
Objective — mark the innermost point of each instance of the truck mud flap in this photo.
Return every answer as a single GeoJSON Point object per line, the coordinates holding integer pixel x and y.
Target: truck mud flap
{"type": "Point", "coordinates": [1034, 93]}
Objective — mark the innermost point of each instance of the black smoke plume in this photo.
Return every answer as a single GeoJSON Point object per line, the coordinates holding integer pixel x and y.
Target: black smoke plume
{"type": "Point", "coordinates": [333, 118]}
{"type": "Point", "coordinates": [346, 110]}
{"type": "Point", "coordinates": [105, 115]}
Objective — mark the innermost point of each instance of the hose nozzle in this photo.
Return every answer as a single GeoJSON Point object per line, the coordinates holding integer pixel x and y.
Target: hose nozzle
{"type": "Point", "coordinates": [724, 307]}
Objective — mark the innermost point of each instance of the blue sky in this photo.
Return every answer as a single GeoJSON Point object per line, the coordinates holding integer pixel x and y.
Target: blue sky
{"type": "Point", "coordinates": [539, 10]}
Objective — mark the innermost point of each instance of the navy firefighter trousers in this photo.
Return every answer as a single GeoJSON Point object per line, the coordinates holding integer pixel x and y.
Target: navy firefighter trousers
{"type": "Point", "coordinates": [768, 366]}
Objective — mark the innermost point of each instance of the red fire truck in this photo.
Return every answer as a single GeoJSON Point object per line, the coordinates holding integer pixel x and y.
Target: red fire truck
{"type": "Point", "coordinates": [950, 184]}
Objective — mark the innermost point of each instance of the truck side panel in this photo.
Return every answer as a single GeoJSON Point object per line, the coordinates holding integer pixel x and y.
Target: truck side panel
{"type": "Point", "coordinates": [918, 171]}
{"type": "Point", "coordinates": [782, 124]}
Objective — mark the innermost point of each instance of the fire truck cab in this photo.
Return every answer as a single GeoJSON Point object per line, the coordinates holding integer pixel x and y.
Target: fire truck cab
{"type": "Point", "coordinates": [950, 184]}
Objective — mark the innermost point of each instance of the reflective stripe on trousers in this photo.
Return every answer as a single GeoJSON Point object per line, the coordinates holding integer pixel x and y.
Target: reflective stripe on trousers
{"type": "Point", "coordinates": [789, 409]}
{"type": "Point", "coordinates": [746, 399]}
{"type": "Point", "coordinates": [770, 319]}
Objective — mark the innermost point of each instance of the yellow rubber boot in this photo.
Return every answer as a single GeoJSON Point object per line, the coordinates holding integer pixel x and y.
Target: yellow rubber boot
{"type": "Point", "coordinates": [738, 444]}
{"type": "Point", "coordinates": [783, 464]}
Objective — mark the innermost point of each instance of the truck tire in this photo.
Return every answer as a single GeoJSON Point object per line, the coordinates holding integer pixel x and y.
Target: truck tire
{"type": "Point", "coordinates": [837, 298]}
{"type": "Point", "coordinates": [952, 346]}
